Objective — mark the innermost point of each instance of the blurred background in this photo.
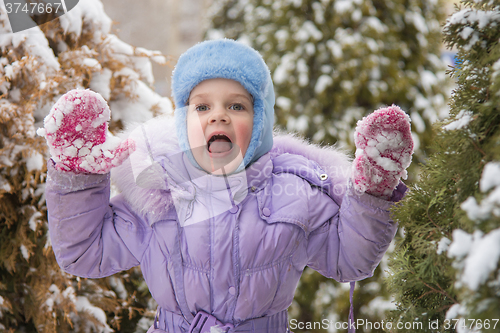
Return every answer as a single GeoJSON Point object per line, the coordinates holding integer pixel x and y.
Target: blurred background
{"type": "Point", "coordinates": [332, 62]}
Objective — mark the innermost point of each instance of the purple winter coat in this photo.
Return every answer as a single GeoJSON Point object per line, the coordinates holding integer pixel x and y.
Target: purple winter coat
{"type": "Point", "coordinates": [291, 209]}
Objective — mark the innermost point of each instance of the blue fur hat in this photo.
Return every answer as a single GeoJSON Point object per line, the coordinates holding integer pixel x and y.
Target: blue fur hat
{"type": "Point", "coordinates": [228, 59]}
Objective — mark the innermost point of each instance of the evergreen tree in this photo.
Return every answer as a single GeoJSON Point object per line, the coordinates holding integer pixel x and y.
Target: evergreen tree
{"type": "Point", "coordinates": [37, 66]}
{"type": "Point", "coordinates": [333, 62]}
{"type": "Point", "coordinates": [446, 267]}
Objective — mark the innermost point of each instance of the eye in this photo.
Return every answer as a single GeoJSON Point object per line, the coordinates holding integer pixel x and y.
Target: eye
{"type": "Point", "coordinates": [237, 107]}
{"type": "Point", "coordinates": [201, 107]}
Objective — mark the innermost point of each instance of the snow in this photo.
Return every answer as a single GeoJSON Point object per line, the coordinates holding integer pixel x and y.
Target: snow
{"type": "Point", "coordinates": [472, 248]}
{"type": "Point", "coordinates": [461, 244]}
{"type": "Point", "coordinates": [378, 307]}
{"type": "Point", "coordinates": [90, 11]}
{"type": "Point", "coordinates": [469, 17]}
{"type": "Point", "coordinates": [4, 184]}
{"type": "Point", "coordinates": [34, 220]}
{"type": "Point", "coordinates": [119, 46]}
{"type": "Point", "coordinates": [299, 124]}
{"type": "Point", "coordinates": [303, 71]}
{"type": "Point", "coordinates": [302, 123]}
{"type": "Point", "coordinates": [140, 109]}
{"type": "Point", "coordinates": [308, 31]}
{"type": "Point", "coordinates": [427, 80]}
{"type": "Point", "coordinates": [491, 203]}
{"type": "Point", "coordinates": [376, 24]}
{"type": "Point", "coordinates": [34, 43]}
{"type": "Point", "coordinates": [466, 32]}
{"type": "Point", "coordinates": [417, 20]}
{"type": "Point", "coordinates": [374, 154]}
{"type": "Point", "coordinates": [101, 83]}
{"type": "Point", "coordinates": [490, 177]}
{"type": "Point", "coordinates": [118, 286]}
{"type": "Point", "coordinates": [24, 252]}
{"type": "Point", "coordinates": [455, 311]}
{"type": "Point", "coordinates": [281, 72]}
{"type": "Point", "coordinates": [343, 6]}
{"type": "Point", "coordinates": [418, 122]}
{"type": "Point", "coordinates": [284, 103]}
{"type": "Point", "coordinates": [462, 119]}
{"type": "Point", "coordinates": [324, 81]}
{"type": "Point", "coordinates": [472, 21]}
{"type": "Point", "coordinates": [335, 48]}
{"type": "Point", "coordinates": [83, 304]}
{"type": "Point", "coordinates": [35, 161]}
{"type": "Point", "coordinates": [443, 245]}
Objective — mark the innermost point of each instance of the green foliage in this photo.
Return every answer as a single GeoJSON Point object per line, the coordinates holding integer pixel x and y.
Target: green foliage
{"type": "Point", "coordinates": [334, 62]}
{"type": "Point", "coordinates": [36, 67]}
{"type": "Point", "coordinates": [431, 280]}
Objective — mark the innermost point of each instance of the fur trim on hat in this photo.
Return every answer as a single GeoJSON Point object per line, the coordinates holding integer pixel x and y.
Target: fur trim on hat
{"type": "Point", "coordinates": [228, 59]}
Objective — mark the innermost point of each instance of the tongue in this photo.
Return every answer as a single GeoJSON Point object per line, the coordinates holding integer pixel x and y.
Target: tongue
{"type": "Point", "coordinates": [220, 146]}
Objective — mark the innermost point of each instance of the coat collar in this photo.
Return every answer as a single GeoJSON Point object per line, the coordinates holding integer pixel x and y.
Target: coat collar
{"type": "Point", "coordinates": [141, 178]}
{"type": "Point", "coordinates": [198, 195]}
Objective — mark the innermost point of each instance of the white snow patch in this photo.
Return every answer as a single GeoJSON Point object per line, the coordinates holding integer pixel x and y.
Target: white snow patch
{"type": "Point", "coordinates": [308, 31]}
{"type": "Point", "coordinates": [491, 203]}
{"type": "Point", "coordinates": [92, 63]}
{"type": "Point", "coordinates": [34, 220]}
{"type": "Point", "coordinates": [24, 252]}
{"type": "Point", "coordinates": [443, 245]}
{"type": "Point", "coordinates": [324, 81]}
{"type": "Point", "coordinates": [35, 161]}
{"type": "Point", "coordinates": [82, 304]}
{"type": "Point", "coordinates": [282, 71]}
{"type": "Point", "coordinates": [462, 119]}
{"type": "Point", "coordinates": [302, 123]}
{"type": "Point", "coordinates": [90, 11]}
{"type": "Point", "coordinates": [481, 255]}
{"type": "Point", "coordinates": [139, 109]}
{"type": "Point", "coordinates": [461, 244]}
{"type": "Point", "coordinates": [378, 306]}
{"type": "Point", "coordinates": [376, 24]}
{"type": "Point", "coordinates": [4, 184]}
{"type": "Point", "coordinates": [118, 286]}
{"type": "Point", "coordinates": [417, 120]}
{"type": "Point", "coordinates": [284, 103]}
{"type": "Point", "coordinates": [490, 177]}
{"type": "Point", "coordinates": [335, 48]}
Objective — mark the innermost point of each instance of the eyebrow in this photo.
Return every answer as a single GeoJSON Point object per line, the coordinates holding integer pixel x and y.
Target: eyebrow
{"type": "Point", "coordinates": [202, 95]}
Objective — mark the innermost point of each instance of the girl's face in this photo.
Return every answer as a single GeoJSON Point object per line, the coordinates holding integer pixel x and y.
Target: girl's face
{"type": "Point", "coordinates": [219, 124]}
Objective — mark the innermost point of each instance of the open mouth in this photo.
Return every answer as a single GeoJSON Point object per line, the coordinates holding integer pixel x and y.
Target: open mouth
{"type": "Point", "coordinates": [219, 143]}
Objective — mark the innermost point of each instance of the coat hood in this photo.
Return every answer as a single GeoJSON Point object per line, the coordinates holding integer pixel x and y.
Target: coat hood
{"type": "Point", "coordinates": [227, 59]}
{"type": "Point", "coordinates": [142, 180]}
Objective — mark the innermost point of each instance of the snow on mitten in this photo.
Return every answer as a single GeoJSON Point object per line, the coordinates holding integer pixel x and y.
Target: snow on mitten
{"type": "Point", "coordinates": [76, 131]}
{"type": "Point", "coordinates": [383, 151]}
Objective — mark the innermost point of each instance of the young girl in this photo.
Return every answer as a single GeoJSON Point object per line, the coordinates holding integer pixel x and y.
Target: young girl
{"type": "Point", "coordinates": [222, 217]}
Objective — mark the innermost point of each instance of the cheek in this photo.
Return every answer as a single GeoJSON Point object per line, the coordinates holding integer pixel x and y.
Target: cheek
{"type": "Point", "coordinates": [245, 134]}
{"type": "Point", "coordinates": [195, 132]}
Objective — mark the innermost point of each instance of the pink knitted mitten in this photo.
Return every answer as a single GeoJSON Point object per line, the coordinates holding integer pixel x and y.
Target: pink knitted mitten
{"type": "Point", "coordinates": [383, 151]}
{"type": "Point", "coordinates": [76, 131]}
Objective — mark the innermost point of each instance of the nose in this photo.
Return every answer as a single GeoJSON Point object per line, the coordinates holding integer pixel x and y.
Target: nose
{"type": "Point", "coordinates": [219, 114]}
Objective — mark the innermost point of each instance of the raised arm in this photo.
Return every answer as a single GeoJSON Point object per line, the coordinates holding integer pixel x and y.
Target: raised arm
{"type": "Point", "coordinates": [350, 245]}
{"type": "Point", "coordinates": [91, 237]}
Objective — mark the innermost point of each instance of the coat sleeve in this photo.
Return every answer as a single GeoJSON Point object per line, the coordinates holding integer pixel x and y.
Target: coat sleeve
{"type": "Point", "coordinates": [91, 236]}
{"type": "Point", "coordinates": [351, 244]}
